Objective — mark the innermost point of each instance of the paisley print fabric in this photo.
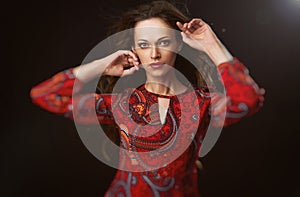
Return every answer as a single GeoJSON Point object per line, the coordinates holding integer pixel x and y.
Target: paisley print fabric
{"type": "Point", "coordinates": [136, 113]}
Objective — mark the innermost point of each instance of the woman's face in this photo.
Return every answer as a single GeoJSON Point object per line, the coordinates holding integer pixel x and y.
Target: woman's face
{"type": "Point", "coordinates": [156, 45]}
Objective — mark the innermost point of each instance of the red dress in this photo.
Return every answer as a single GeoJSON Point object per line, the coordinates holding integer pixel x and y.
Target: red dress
{"type": "Point", "coordinates": [134, 109]}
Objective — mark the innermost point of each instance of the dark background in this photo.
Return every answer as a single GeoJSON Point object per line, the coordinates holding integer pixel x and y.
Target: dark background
{"type": "Point", "coordinates": [42, 154]}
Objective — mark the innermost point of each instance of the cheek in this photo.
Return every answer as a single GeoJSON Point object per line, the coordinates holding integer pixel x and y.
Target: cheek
{"type": "Point", "coordinates": [143, 57]}
{"type": "Point", "coordinates": [170, 56]}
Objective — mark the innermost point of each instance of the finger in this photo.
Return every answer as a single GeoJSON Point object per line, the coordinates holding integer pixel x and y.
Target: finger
{"type": "Point", "coordinates": [130, 60]}
{"type": "Point", "coordinates": [187, 32]}
{"type": "Point", "coordinates": [262, 91]}
{"type": "Point", "coordinates": [192, 29]}
{"type": "Point", "coordinates": [196, 26]}
{"type": "Point", "coordinates": [261, 99]}
{"type": "Point", "coordinates": [179, 25]}
{"type": "Point", "coordinates": [194, 22]}
{"type": "Point", "coordinates": [136, 67]}
{"type": "Point", "coordinates": [185, 26]}
{"type": "Point", "coordinates": [133, 62]}
{"type": "Point", "coordinates": [199, 22]}
{"type": "Point", "coordinates": [130, 53]}
{"type": "Point", "coordinates": [129, 71]}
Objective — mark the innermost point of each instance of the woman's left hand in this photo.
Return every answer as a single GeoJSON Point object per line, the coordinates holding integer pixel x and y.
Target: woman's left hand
{"type": "Point", "coordinates": [199, 35]}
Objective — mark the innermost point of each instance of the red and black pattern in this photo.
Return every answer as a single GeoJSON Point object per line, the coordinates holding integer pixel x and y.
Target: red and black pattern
{"type": "Point", "coordinates": [135, 111]}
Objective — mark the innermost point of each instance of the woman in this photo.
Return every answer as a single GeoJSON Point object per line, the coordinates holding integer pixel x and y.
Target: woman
{"type": "Point", "coordinates": [165, 116]}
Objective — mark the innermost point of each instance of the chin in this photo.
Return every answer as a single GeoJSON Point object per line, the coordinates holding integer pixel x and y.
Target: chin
{"type": "Point", "coordinates": [161, 74]}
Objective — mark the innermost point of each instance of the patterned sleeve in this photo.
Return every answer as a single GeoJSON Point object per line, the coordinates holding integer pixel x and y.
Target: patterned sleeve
{"type": "Point", "coordinates": [55, 95]}
{"type": "Point", "coordinates": [243, 96]}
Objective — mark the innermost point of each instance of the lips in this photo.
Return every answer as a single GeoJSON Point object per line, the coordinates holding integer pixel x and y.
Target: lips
{"type": "Point", "coordinates": [156, 65]}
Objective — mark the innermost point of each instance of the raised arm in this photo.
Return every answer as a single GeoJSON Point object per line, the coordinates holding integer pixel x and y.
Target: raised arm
{"type": "Point", "coordinates": [243, 96]}
{"type": "Point", "coordinates": [57, 94]}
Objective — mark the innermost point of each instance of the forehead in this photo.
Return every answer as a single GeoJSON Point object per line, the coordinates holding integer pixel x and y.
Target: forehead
{"type": "Point", "coordinates": [153, 28]}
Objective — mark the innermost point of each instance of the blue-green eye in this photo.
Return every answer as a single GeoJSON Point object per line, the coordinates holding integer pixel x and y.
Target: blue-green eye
{"type": "Point", "coordinates": [164, 43]}
{"type": "Point", "coordinates": [143, 45]}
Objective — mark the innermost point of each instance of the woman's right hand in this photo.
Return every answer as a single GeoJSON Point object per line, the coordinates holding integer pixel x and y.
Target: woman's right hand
{"type": "Point", "coordinates": [121, 63]}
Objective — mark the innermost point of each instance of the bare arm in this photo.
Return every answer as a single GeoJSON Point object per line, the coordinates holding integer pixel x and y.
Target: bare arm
{"type": "Point", "coordinates": [244, 96]}
{"type": "Point", "coordinates": [200, 36]}
{"type": "Point", "coordinates": [113, 65]}
{"type": "Point", "coordinates": [57, 94]}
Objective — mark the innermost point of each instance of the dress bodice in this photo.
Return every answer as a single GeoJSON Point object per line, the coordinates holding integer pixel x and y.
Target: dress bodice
{"type": "Point", "coordinates": [161, 157]}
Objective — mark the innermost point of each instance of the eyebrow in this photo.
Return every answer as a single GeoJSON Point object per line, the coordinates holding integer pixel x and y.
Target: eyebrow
{"type": "Point", "coordinates": [157, 40]}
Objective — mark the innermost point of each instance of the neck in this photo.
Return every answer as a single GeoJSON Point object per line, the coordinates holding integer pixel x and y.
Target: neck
{"type": "Point", "coordinates": [166, 85]}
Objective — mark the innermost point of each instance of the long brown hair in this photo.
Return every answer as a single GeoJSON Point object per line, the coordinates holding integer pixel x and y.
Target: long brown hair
{"type": "Point", "coordinates": [170, 13]}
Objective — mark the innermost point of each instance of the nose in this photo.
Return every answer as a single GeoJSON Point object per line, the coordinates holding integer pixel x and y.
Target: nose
{"type": "Point", "coordinates": [155, 54]}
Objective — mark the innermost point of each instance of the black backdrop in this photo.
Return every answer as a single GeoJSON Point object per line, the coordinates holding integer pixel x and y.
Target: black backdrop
{"type": "Point", "coordinates": [42, 154]}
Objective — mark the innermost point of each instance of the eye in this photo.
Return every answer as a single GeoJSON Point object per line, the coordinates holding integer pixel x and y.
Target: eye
{"type": "Point", "coordinates": [164, 43]}
{"type": "Point", "coordinates": [143, 45]}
